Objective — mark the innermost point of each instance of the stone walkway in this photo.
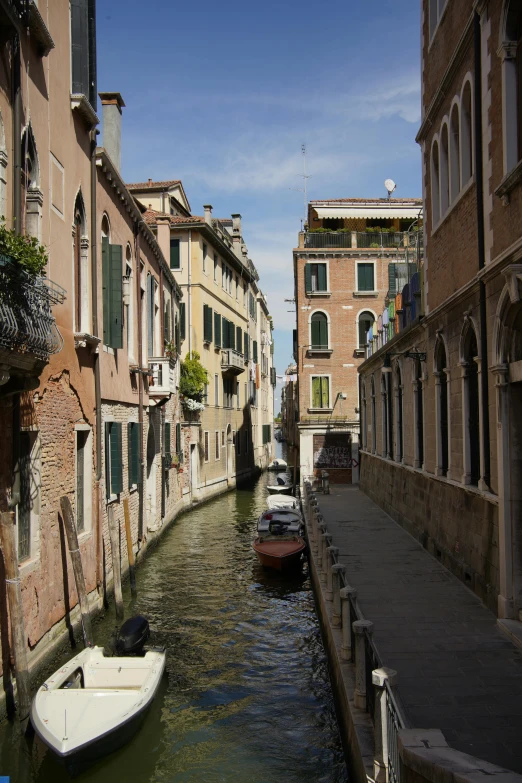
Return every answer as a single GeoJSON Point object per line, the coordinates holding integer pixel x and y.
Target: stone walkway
{"type": "Point", "coordinates": [457, 671]}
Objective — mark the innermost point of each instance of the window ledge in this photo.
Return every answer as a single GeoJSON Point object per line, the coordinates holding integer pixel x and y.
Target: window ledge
{"type": "Point", "coordinates": [320, 351]}
{"type": "Point", "coordinates": [369, 294]}
{"type": "Point", "coordinates": [113, 499]}
{"type": "Point", "coordinates": [320, 410]}
{"type": "Point", "coordinates": [318, 293]}
{"type": "Point", "coordinates": [81, 103]}
{"type": "Point", "coordinates": [512, 178]}
{"type": "Point", "coordinates": [86, 340]}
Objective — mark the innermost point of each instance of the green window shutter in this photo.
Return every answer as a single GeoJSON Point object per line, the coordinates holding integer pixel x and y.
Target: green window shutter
{"type": "Point", "coordinates": [239, 339]}
{"type": "Point", "coordinates": [130, 455]}
{"type": "Point", "coordinates": [115, 457]}
{"type": "Point", "coordinates": [246, 348]}
{"type": "Point", "coordinates": [308, 278]}
{"type": "Point", "coordinates": [325, 397]}
{"type": "Point", "coordinates": [316, 332]}
{"type": "Point", "coordinates": [133, 453]}
{"type": "Point", "coordinates": [168, 447]}
{"type": "Point", "coordinates": [182, 321]}
{"type": "Point", "coordinates": [217, 330]}
{"type": "Point", "coordinates": [207, 324]}
{"type": "Point", "coordinates": [365, 281]}
{"type": "Point", "coordinates": [178, 438]}
{"type": "Point", "coordinates": [177, 338]}
{"type": "Point", "coordinates": [226, 333]}
{"type": "Point", "coordinates": [254, 351]}
{"type": "Point", "coordinates": [316, 392]}
{"type": "Point", "coordinates": [232, 336]}
{"type": "Point", "coordinates": [107, 460]}
{"type": "Point", "coordinates": [174, 254]}
{"type": "Point", "coordinates": [392, 280]}
{"type": "Point", "coordinates": [324, 332]}
{"type": "Point", "coordinates": [321, 277]}
{"type": "Point", "coordinates": [116, 296]}
{"type": "Point", "coordinates": [106, 289]}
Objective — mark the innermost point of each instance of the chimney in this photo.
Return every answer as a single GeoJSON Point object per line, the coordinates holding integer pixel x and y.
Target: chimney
{"type": "Point", "coordinates": [112, 104]}
{"type": "Point", "coordinates": [208, 213]}
{"type": "Point", "coordinates": [236, 224]}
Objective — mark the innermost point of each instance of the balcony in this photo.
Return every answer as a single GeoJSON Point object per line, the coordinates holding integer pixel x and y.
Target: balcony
{"type": "Point", "coordinates": [28, 331]}
{"type": "Point", "coordinates": [361, 240]}
{"type": "Point", "coordinates": [162, 376]}
{"type": "Point", "coordinates": [232, 361]}
{"type": "Point", "coordinates": [12, 12]}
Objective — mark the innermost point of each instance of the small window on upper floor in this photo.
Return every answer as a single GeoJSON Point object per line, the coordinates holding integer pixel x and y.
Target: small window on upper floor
{"type": "Point", "coordinates": [315, 278]}
{"type": "Point", "coordinates": [174, 254]}
{"type": "Point", "coordinates": [83, 57]}
{"type": "Point", "coordinates": [436, 9]}
{"type": "Point", "coordinates": [204, 257]}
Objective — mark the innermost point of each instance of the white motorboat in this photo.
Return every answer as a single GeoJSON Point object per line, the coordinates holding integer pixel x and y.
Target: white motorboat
{"type": "Point", "coordinates": [282, 501]}
{"type": "Point", "coordinates": [278, 464]}
{"type": "Point", "coordinates": [286, 520]}
{"type": "Point", "coordinates": [94, 703]}
{"type": "Point", "coordinates": [284, 489]}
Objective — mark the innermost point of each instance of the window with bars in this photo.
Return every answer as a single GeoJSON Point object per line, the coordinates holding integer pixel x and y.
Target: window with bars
{"type": "Point", "coordinates": [366, 277]}
{"type": "Point", "coordinates": [133, 453]}
{"type": "Point", "coordinates": [319, 331]}
{"type": "Point", "coordinates": [179, 449]}
{"type": "Point", "coordinates": [81, 442]}
{"type": "Point", "coordinates": [315, 278]}
{"type": "Point", "coordinates": [320, 391]}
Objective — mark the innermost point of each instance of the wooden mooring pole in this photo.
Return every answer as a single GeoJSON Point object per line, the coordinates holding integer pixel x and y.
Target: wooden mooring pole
{"type": "Point", "coordinates": [76, 560]}
{"type": "Point", "coordinates": [114, 532]}
{"type": "Point", "coordinates": [130, 551]}
{"type": "Point", "coordinates": [16, 613]}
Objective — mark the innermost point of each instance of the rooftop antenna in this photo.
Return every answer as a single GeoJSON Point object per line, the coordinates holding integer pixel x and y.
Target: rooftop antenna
{"type": "Point", "coordinates": [390, 186]}
{"type": "Point", "coordinates": [305, 176]}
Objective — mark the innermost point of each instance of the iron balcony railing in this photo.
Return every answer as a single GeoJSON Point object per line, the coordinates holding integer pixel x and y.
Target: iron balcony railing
{"type": "Point", "coordinates": [232, 360]}
{"type": "Point", "coordinates": [27, 324]}
{"type": "Point", "coordinates": [394, 723]}
{"type": "Point", "coordinates": [359, 239]}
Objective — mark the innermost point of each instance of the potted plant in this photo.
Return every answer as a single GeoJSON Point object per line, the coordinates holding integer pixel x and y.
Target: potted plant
{"type": "Point", "coordinates": [171, 350]}
{"type": "Point", "coordinates": [192, 382]}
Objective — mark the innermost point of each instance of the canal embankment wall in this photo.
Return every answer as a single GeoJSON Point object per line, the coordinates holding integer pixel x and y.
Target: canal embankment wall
{"type": "Point", "coordinates": [67, 632]}
{"type": "Point", "coordinates": [377, 728]}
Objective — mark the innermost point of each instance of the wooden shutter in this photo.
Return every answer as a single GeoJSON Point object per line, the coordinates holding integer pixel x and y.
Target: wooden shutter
{"type": "Point", "coordinates": [247, 346]}
{"type": "Point", "coordinates": [323, 325]}
{"type": "Point", "coordinates": [316, 332]}
{"type": "Point", "coordinates": [182, 321]}
{"type": "Point", "coordinates": [115, 458]}
{"type": "Point", "coordinates": [105, 289]}
{"type": "Point", "coordinates": [254, 351]}
{"type": "Point", "coordinates": [239, 339]}
{"type": "Point", "coordinates": [308, 278]}
{"type": "Point", "coordinates": [133, 452]}
{"type": "Point", "coordinates": [321, 277]}
{"type": "Point", "coordinates": [325, 397]}
{"type": "Point", "coordinates": [207, 324]}
{"type": "Point", "coordinates": [80, 47]}
{"type": "Point", "coordinates": [217, 330]}
{"type": "Point", "coordinates": [231, 335]}
{"type": "Point", "coordinates": [316, 392]}
{"type": "Point", "coordinates": [177, 338]}
{"type": "Point", "coordinates": [365, 281]}
{"type": "Point", "coordinates": [150, 315]}
{"type": "Point", "coordinates": [168, 446]}
{"type": "Point", "coordinates": [179, 452]}
{"type": "Point", "coordinates": [116, 296]}
{"type": "Point", "coordinates": [392, 279]}
{"type": "Point", "coordinates": [174, 254]}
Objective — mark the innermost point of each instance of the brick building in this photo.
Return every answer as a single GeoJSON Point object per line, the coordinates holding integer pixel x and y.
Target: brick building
{"type": "Point", "coordinates": [442, 399]}
{"type": "Point", "coordinates": [354, 254]}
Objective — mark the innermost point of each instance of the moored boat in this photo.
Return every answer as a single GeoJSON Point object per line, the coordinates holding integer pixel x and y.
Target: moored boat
{"type": "Point", "coordinates": [94, 703]}
{"type": "Point", "coordinates": [282, 521]}
{"type": "Point", "coordinates": [282, 501]}
{"type": "Point", "coordinates": [276, 489]}
{"type": "Point", "coordinates": [282, 553]}
{"type": "Point", "coordinates": [278, 464]}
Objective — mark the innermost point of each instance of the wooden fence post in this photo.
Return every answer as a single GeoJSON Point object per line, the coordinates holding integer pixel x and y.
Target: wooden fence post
{"type": "Point", "coordinates": [114, 532]}
{"type": "Point", "coordinates": [130, 551]}
{"type": "Point", "coordinates": [76, 560]}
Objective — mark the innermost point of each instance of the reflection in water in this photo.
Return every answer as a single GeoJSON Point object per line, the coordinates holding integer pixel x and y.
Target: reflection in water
{"type": "Point", "coordinates": [247, 697]}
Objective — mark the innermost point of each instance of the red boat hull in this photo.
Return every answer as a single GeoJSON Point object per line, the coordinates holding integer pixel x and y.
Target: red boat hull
{"type": "Point", "coordinates": [282, 554]}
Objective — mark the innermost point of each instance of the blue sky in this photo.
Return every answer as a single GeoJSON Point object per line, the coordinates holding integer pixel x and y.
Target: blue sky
{"type": "Point", "coordinates": [223, 95]}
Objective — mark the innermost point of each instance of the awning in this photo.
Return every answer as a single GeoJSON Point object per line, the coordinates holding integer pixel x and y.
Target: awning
{"type": "Point", "coordinates": [383, 213]}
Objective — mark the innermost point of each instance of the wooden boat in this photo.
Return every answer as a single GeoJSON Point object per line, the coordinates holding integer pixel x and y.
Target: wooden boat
{"type": "Point", "coordinates": [282, 521]}
{"type": "Point", "coordinates": [280, 487]}
{"type": "Point", "coordinates": [278, 464]}
{"type": "Point", "coordinates": [93, 704]}
{"type": "Point", "coordinates": [280, 552]}
{"type": "Point", "coordinates": [282, 501]}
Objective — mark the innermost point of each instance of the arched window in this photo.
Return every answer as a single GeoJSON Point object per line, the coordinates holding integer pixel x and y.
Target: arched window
{"type": "Point", "coordinates": [81, 268]}
{"type": "Point", "coordinates": [441, 382]}
{"type": "Point", "coordinates": [444, 170]}
{"type": "Point", "coordinates": [418, 401]}
{"type": "Point", "coordinates": [471, 411]}
{"type": "Point", "coordinates": [466, 151]}
{"type": "Point", "coordinates": [435, 183]}
{"type": "Point", "coordinates": [399, 446]}
{"type": "Point", "coordinates": [105, 227]}
{"type": "Point", "coordinates": [32, 197]}
{"type": "Point", "coordinates": [511, 52]}
{"type": "Point", "coordinates": [366, 319]}
{"type": "Point", "coordinates": [319, 332]}
{"type": "Point", "coordinates": [454, 153]}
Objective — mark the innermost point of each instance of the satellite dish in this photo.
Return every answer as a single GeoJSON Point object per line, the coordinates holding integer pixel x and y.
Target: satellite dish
{"type": "Point", "coordinates": [390, 186]}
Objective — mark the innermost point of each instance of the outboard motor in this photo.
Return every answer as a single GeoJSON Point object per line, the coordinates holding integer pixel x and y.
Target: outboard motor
{"type": "Point", "coordinates": [277, 528]}
{"type": "Point", "coordinates": [132, 636]}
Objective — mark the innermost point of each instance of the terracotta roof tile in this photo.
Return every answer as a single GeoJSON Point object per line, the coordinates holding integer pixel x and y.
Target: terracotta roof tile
{"type": "Point", "coordinates": [150, 185]}
{"type": "Point", "coordinates": [383, 200]}
{"type": "Point", "coordinates": [151, 216]}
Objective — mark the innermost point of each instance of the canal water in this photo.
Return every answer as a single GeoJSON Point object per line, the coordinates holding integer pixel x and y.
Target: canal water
{"type": "Point", "coordinates": [247, 696]}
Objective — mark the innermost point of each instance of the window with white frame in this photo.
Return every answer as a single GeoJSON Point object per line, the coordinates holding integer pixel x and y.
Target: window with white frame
{"type": "Point", "coordinates": [364, 324]}
{"type": "Point", "coordinates": [319, 331]}
{"type": "Point", "coordinates": [366, 276]}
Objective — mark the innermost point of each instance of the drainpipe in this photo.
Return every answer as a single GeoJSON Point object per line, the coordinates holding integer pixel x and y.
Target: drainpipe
{"type": "Point", "coordinates": [189, 291]}
{"type": "Point", "coordinates": [140, 379]}
{"type": "Point", "coordinates": [481, 248]}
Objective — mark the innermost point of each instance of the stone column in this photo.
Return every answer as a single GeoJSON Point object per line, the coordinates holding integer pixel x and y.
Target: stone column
{"type": "Point", "coordinates": [331, 554]}
{"type": "Point", "coordinates": [360, 628]}
{"type": "Point", "coordinates": [505, 532]}
{"type": "Point", "coordinates": [466, 455]}
{"type": "Point", "coordinates": [438, 439]}
{"type": "Point", "coordinates": [448, 382]}
{"type": "Point", "coordinates": [481, 483]}
{"type": "Point", "coordinates": [338, 571]}
{"type": "Point", "coordinates": [384, 425]}
{"type": "Point", "coordinates": [345, 594]}
{"type": "Point", "coordinates": [380, 721]}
